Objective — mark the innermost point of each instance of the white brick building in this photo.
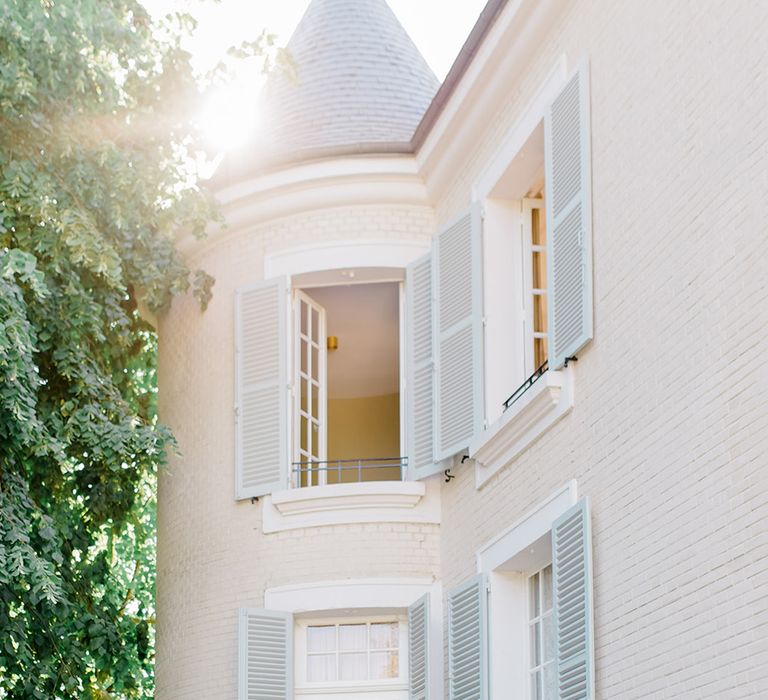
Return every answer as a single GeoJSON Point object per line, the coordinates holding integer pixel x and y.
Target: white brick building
{"type": "Point", "coordinates": [590, 181]}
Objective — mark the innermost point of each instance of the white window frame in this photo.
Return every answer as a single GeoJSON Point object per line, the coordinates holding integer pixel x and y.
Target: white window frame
{"type": "Point", "coordinates": [509, 340]}
{"type": "Point", "coordinates": [507, 560]}
{"type": "Point", "coordinates": [337, 256]}
{"type": "Point", "coordinates": [362, 686]}
{"type": "Point", "coordinates": [394, 595]}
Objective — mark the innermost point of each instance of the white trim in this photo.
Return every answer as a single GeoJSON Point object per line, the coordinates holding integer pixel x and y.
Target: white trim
{"type": "Point", "coordinates": [380, 594]}
{"type": "Point", "coordinates": [534, 524]}
{"type": "Point", "coordinates": [505, 560]}
{"type": "Point", "coordinates": [516, 136]}
{"type": "Point", "coordinates": [343, 254]}
{"type": "Point", "coordinates": [540, 407]}
{"type": "Point", "coordinates": [343, 504]}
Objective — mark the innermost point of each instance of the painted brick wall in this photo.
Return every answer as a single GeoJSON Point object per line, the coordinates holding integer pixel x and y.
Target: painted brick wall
{"type": "Point", "coordinates": [213, 557]}
{"type": "Point", "coordinates": [669, 434]}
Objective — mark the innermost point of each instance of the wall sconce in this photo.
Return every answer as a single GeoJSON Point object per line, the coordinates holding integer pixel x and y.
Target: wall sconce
{"type": "Point", "coordinates": [332, 342]}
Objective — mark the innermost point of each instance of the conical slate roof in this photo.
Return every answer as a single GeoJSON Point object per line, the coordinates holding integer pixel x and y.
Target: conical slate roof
{"type": "Point", "coordinates": [361, 84]}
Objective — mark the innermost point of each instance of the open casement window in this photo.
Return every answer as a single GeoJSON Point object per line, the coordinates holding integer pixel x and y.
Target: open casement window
{"type": "Point", "coordinates": [261, 389]}
{"type": "Point", "coordinates": [467, 641]}
{"type": "Point", "coordinates": [572, 593]}
{"type": "Point", "coordinates": [418, 649]}
{"type": "Point", "coordinates": [265, 655]}
{"type": "Point", "coordinates": [457, 333]}
{"type": "Point", "coordinates": [310, 427]}
{"type": "Point", "coordinates": [569, 219]}
{"type": "Point", "coordinates": [535, 282]}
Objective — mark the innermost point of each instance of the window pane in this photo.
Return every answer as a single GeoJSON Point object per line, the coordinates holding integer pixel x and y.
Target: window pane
{"type": "Point", "coordinates": [303, 314]}
{"type": "Point", "coordinates": [539, 351]}
{"type": "Point", "coordinates": [321, 638]}
{"type": "Point", "coordinates": [352, 667]}
{"type": "Point", "coordinates": [353, 637]}
{"type": "Point", "coordinates": [540, 313]}
{"type": "Point", "coordinates": [384, 635]}
{"type": "Point", "coordinates": [304, 394]}
{"type": "Point", "coordinates": [549, 637]}
{"type": "Point", "coordinates": [533, 588]}
{"type": "Point", "coordinates": [535, 644]}
{"type": "Point", "coordinates": [539, 260]}
{"type": "Point", "coordinates": [315, 363]}
{"type": "Point", "coordinates": [546, 588]}
{"type": "Point", "coordinates": [538, 225]}
{"type": "Point", "coordinates": [536, 686]}
{"type": "Point", "coordinates": [315, 393]}
{"type": "Point", "coordinates": [321, 667]}
{"type": "Point", "coordinates": [384, 665]}
{"type": "Point", "coordinates": [315, 325]}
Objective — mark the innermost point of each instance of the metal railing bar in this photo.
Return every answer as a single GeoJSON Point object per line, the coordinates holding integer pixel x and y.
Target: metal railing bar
{"type": "Point", "coordinates": [527, 384]}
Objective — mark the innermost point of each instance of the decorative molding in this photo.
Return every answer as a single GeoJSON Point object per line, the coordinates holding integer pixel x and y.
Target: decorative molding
{"type": "Point", "coordinates": [342, 504]}
{"type": "Point", "coordinates": [548, 400]}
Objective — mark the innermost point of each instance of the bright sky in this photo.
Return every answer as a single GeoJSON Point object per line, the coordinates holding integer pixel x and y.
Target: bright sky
{"type": "Point", "coordinates": [437, 28]}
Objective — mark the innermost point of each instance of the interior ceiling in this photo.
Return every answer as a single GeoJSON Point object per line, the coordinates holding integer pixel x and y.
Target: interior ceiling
{"type": "Point", "coordinates": [365, 318]}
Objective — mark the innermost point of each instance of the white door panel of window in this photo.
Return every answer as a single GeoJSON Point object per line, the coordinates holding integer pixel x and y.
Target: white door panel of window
{"type": "Point", "coordinates": [310, 391]}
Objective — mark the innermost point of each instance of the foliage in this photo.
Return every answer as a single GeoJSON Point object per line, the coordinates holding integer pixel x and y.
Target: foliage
{"type": "Point", "coordinates": [95, 178]}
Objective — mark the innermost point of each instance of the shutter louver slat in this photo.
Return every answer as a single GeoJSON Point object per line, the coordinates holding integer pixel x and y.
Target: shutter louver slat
{"type": "Point", "coordinates": [458, 334]}
{"type": "Point", "coordinates": [418, 649]}
{"type": "Point", "coordinates": [266, 655]}
{"type": "Point", "coordinates": [467, 650]}
{"type": "Point", "coordinates": [420, 368]}
{"type": "Point", "coordinates": [572, 586]}
{"type": "Point", "coordinates": [568, 202]}
{"type": "Point", "coordinates": [261, 381]}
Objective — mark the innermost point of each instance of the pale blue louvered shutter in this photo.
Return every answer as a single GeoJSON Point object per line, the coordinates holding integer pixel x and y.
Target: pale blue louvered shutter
{"type": "Point", "coordinates": [418, 649]}
{"type": "Point", "coordinates": [420, 370]}
{"type": "Point", "coordinates": [458, 334]}
{"type": "Point", "coordinates": [572, 583]}
{"type": "Point", "coordinates": [568, 194]}
{"type": "Point", "coordinates": [265, 657]}
{"type": "Point", "coordinates": [468, 641]}
{"type": "Point", "coordinates": [261, 389]}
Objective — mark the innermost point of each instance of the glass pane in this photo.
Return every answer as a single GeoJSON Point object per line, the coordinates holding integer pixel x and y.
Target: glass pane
{"type": "Point", "coordinates": [384, 635]}
{"type": "Point", "coordinates": [303, 438]}
{"type": "Point", "coordinates": [535, 644]}
{"type": "Point", "coordinates": [315, 393]}
{"type": "Point", "coordinates": [321, 638]}
{"type": "Point", "coordinates": [321, 667]}
{"type": "Point", "coordinates": [384, 665]}
{"type": "Point", "coordinates": [550, 682]}
{"type": "Point", "coordinates": [315, 325]}
{"type": "Point", "coordinates": [303, 354]}
{"type": "Point", "coordinates": [536, 686]}
{"type": "Point", "coordinates": [315, 363]}
{"type": "Point", "coordinates": [539, 270]}
{"type": "Point", "coordinates": [546, 588]}
{"type": "Point", "coordinates": [304, 394]}
{"type": "Point", "coordinates": [549, 637]}
{"type": "Point", "coordinates": [533, 588]}
{"type": "Point", "coordinates": [352, 667]}
{"type": "Point", "coordinates": [353, 637]}
{"type": "Point", "coordinates": [539, 351]}
{"type": "Point", "coordinates": [540, 313]}
{"type": "Point", "coordinates": [303, 315]}
{"type": "Point", "coordinates": [538, 226]}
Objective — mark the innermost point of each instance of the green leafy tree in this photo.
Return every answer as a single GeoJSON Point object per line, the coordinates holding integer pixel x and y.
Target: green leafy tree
{"type": "Point", "coordinates": [95, 179]}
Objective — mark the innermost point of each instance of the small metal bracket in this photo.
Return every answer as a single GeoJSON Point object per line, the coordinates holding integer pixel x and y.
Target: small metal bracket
{"type": "Point", "coordinates": [464, 458]}
{"type": "Point", "coordinates": [448, 476]}
{"type": "Point", "coordinates": [570, 359]}
{"type": "Point", "coordinates": [254, 499]}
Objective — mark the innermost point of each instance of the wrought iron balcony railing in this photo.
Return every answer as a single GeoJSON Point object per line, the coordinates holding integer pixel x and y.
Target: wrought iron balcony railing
{"type": "Point", "coordinates": [527, 384]}
{"type": "Point", "coordinates": [346, 471]}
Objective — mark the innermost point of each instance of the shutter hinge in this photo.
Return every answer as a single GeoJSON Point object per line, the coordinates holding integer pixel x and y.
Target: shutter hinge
{"type": "Point", "coordinates": [237, 410]}
{"type": "Point", "coordinates": [487, 586]}
{"type": "Point", "coordinates": [484, 321]}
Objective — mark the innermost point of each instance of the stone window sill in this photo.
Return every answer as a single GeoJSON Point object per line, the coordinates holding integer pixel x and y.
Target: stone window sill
{"type": "Point", "coordinates": [546, 402]}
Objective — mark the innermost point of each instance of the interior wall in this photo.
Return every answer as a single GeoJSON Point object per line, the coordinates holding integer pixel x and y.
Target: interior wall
{"type": "Point", "coordinates": [367, 427]}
